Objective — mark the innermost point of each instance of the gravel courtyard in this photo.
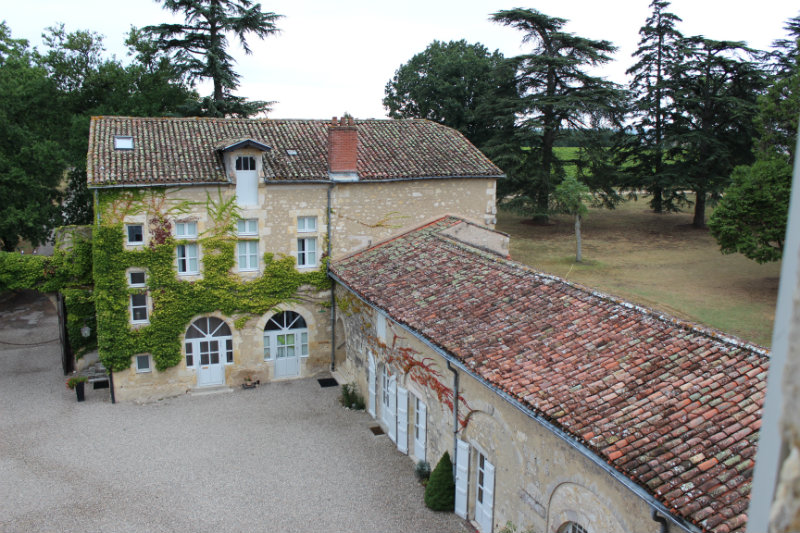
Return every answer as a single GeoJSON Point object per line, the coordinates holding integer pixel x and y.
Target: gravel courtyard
{"type": "Point", "coordinates": [283, 457]}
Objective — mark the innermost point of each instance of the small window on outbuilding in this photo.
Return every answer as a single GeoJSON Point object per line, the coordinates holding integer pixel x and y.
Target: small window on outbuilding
{"type": "Point", "coordinates": [123, 142]}
{"type": "Point", "coordinates": [291, 151]}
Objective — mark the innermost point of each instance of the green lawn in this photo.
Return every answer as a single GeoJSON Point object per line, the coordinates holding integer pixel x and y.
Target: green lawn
{"type": "Point", "coordinates": [658, 261]}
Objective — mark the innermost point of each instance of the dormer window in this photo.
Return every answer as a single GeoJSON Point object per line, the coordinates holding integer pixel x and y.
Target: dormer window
{"type": "Point", "coordinates": [246, 181]}
{"type": "Point", "coordinates": [245, 163]}
{"type": "Point", "coordinates": [123, 142]}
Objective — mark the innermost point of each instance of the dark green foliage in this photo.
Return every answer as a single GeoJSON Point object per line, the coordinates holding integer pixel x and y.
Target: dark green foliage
{"type": "Point", "coordinates": [422, 470]}
{"type": "Point", "coordinates": [440, 492]}
{"type": "Point", "coordinates": [351, 398]}
{"type": "Point", "coordinates": [31, 162]}
{"type": "Point", "coordinates": [460, 85]}
{"type": "Point", "coordinates": [653, 106]}
{"type": "Point", "coordinates": [716, 86]}
{"type": "Point", "coordinates": [199, 47]}
{"type": "Point", "coordinates": [751, 217]}
{"type": "Point", "coordinates": [559, 95]}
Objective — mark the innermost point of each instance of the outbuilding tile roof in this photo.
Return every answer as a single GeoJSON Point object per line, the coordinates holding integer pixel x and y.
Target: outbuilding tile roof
{"type": "Point", "coordinates": [670, 405]}
{"type": "Point", "coordinates": [185, 150]}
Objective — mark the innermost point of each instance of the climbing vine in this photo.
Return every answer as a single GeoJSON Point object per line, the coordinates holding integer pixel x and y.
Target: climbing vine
{"type": "Point", "coordinates": [68, 271]}
{"type": "Point", "coordinates": [175, 302]}
{"type": "Point", "coordinates": [421, 370]}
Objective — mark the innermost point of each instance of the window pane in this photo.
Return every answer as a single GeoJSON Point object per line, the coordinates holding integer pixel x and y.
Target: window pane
{"type": "Point", "coordinates": [229, 350]}
{"type": "Point", "coordinates": [135, 233]}
{"type": "Point", "coordinates": [304, 343]}
{"type": "Point", "coordinates": [267, 351]}
{"type": "Point", "coordinates": [142, 362]}
{"type": "Point", "coordinates": [137, 278]}
{"type": "Point", "coordinates": [189, 356]}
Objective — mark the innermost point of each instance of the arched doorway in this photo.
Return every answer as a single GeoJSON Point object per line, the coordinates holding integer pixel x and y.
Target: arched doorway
{"type": "Point", "coordinates": [209, 347]}
{"type": "Point", "coordinates": [285, 342]}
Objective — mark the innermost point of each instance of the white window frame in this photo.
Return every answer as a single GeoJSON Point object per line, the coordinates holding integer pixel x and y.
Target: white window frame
{"type": "Point", "coordinates": [239, 163]}
{"type": "Point", "coordinates": [306, 258]}
{"type": "Point", "coordinates": [247, 227]}
{"type": "Point", "coordinates": [137, 285]}
{"type": "Point", "coordinates": [128, 234]}
{"type": "Point", "coordinates": [123, 142]}
{"type": "Point", "coordinates": [187, 258]}
{"type": "Point", "coordinates": [132, 308]}
{"type": "Point", "coordinates": [307, 224]}
{"type": "Point", "coordinates": [273, 337]}
{"type": "Point", "coordinates": [186, 230]}
{"type": "Point", "coordinates": [140, 370]}
{"type": "Point", "coordinates": [247, 255]}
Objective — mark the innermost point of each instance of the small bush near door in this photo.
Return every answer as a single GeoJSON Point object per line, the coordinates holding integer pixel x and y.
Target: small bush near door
{"type": "Point", "coordinates": [350, 397]}
{"type": "Point", "coordinates": [423, 471]}
{"type": "Point", "coordinates": [440, 492]}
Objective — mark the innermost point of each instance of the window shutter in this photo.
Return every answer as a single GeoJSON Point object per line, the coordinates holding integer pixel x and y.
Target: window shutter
{"type": "Point", "coordinates": [402, 419]}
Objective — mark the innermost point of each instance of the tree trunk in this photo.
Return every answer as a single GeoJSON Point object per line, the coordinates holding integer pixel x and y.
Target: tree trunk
{"type": "Point", "coordinates": [699, 220]}
{"type": "Point", "coordinates": [578, 254]}
{"type": "Point", "coordinates": [657, 202]}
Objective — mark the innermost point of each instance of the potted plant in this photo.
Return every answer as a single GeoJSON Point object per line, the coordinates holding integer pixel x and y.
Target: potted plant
{"type": "Point", "coordinates": [249, 383]}
{"type": "Point", "coordinates": [77, 383]}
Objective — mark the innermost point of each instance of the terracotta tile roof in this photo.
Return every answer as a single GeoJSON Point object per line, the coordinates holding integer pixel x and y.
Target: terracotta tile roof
{"type": "Point", "coordinates": [670, 405]}
{"type": "Point", "coordinates": [184, 150]}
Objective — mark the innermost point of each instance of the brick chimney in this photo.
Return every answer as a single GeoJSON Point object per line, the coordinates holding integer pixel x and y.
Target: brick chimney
{"type": "Point", "coordinates": [342, 149]}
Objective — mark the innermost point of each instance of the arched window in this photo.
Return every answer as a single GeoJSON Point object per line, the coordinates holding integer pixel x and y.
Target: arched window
{"type": "Point", "coordinates": [206, 339]}
{"type": "Point", "coordinates": [285, 335]}
{"type": "Point", "coordinates": [571, 527]}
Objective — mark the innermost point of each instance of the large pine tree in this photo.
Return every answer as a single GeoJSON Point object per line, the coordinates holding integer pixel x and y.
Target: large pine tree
{"type": "Point", "coordinates": [715, 88]}
{"type": "Point", "coordinates": [653, 105]}
{"type": "Point", "coordinates": [559, 95]}
{"type": "Point", "coordinates": [200, 46]}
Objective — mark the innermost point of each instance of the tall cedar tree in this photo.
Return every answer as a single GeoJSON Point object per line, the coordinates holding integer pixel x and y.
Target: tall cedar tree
{"type": "Point", "coordinates": [558, 95]}
{"type": "Point", "coordinates": [715, 85]}
{"type": "Point", "coordinates": [200, 47]}
{"type": "Point", "coordinates": [31, 162]}
{"type": "Point", "coordinates": [460, 85]}
{"type": "Point", "coordinates": [89, 84]}
{"type": "Point", "coordinates": [652, 105]}
{"type": "Point", "coordinates": [752, 215]}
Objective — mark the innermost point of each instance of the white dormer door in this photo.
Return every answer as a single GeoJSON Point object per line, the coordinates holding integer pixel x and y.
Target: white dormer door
{"type": "Point", "coordinates": [246, 181]}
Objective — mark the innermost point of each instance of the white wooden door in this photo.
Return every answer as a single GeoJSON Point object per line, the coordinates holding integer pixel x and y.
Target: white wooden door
{"type": "Point", "coordinates": [287, 355]}
{"type": "Point", "coordinates": [484, 494]}
{"type": "Point", "coordinates": [371, 386]}
{"type": "Point", "coordinates": [462, 477]}
{"type": "Point", "coordinates": [420, 429]}
{"type": "Point", "coordinates": [402, 419]}
{"type": "Point", "coordinates": [391, 420]}
{"type": "Point", "coordinates": [211, 369]}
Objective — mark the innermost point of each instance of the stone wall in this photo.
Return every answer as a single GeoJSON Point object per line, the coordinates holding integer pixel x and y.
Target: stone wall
{"type": "Point", "coordinates": [541, 481]}
{"type": "Point", "coordinates": [361, 214]}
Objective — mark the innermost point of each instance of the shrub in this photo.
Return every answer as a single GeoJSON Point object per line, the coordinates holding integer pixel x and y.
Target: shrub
{"type": "Point", "coordinates": [440, 493]}
{"type": "Point", "coordinates": [423, 470]}
{"type": "Point", "coordinates": [350, 397]}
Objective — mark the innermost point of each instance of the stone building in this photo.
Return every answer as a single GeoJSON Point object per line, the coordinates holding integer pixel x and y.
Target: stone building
{"type": "Point", "coordinates": [566, 410]}
{"type": "Point", "coordinates": [212, 235]}
{"type": "Point", "coordinates": [574, 411]}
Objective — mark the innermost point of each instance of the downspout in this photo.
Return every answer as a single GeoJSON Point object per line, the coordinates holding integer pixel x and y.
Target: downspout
{"type": "Point", "coordinates": [333, 285]}
{"type": "Point", "coordinates": [452, 369]}
{"type": "Point", "coordinates": [661, 520]}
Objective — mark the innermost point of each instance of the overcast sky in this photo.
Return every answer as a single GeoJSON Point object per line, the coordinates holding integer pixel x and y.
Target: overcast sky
{"type": "Point", "coordinates": [337, 56]}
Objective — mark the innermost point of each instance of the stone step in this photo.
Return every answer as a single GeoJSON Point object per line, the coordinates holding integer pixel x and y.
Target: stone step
{"type": "Point", "coordinates": [202, 391]}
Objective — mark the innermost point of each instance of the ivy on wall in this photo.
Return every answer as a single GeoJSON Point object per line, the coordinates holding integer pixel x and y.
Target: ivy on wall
{"type": "Point", "coordinates": [68, 271]}
{"type": "Point", "coordinates": [175, 301]}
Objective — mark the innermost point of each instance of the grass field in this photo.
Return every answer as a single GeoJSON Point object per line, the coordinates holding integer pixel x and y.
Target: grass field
{"type": "Point", "coordinates": [658, 261]}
